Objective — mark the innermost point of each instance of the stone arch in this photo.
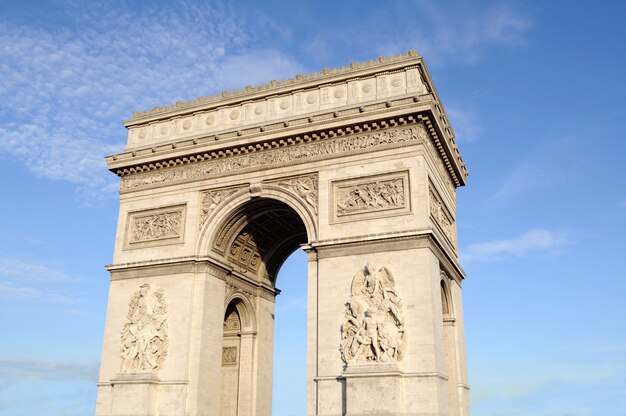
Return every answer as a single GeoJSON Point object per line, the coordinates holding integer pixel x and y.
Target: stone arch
{"type": "Point", "coordinates": [446, 297]}
{"type": "Point", "coordinates": [244, 308]}
{"type": "Point", "coordinates": [231, 206]}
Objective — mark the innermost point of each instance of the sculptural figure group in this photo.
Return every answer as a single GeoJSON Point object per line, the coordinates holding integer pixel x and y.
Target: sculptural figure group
{"type": "Point", "coordinates": [373, 328]}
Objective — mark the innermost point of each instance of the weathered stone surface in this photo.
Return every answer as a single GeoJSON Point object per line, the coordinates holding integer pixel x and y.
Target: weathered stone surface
{"type": "Point", "coordinates": [358, 166]}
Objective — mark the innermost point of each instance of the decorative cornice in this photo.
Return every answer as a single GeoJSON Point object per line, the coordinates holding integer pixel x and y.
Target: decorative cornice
{"type": "Point", "coordinates": [267, 88]}
{"type": "Point", "coordinates": [306, 147]}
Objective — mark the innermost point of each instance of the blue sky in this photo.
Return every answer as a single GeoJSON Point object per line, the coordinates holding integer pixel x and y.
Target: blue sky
{"type": "Point", "coordinates": [534, 90]}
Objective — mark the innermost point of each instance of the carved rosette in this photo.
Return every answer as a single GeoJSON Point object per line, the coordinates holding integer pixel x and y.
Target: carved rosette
{"type": "Point", "coordinates": [305, 187]}
{"type": "Point", "coordinates": [373, 326]}
{"type": "Point", "coordinates": [144, 340]}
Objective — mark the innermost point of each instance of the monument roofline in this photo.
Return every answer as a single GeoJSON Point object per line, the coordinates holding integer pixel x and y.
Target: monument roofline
{"type": "Point", "coordinates": [300, 81]}
{"type": "Point", "coordinates": [387, 87]}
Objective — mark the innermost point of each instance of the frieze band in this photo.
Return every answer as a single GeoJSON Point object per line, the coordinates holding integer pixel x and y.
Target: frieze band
{"type": "Point", "coordinates": [326, 148]}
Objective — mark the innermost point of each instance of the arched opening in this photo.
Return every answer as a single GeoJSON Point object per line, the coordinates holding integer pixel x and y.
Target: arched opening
{"type": "Point", "coordinates": [254, 241]}
{"type": "Point", "coordinates": [259, 236]}
{"type": "Point", "coordinates": [449, 339]}
{"type": "Point", "coordinates": [290, 338]}
{"type": "Point", "coordinates": [231, 347]}
{"type": "Point", "coordinates": [445, 299]}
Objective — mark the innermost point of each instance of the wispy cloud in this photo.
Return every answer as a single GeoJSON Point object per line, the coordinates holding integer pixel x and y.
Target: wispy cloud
{"type": "Point", "coordinates": [47, 370]}
{"type": "Point", "coordinates": [543, 167]}
{"type": "Point", "coordinates": [34, 282]}
{"type": "Point", "coordinates": [466, 122]}
{"type": "Point", "coordinates": [12, 291]}
{"type": "Point", "coordinates": [533, 241]}
{"type": "Point", "coordinates": [65, 90]}
{"type": "Point", "coordinates": [466, 36]}
{"type": "Point", "coordinates": [10, 267]}
{"type": "Point", "coordinates": [460, 34]}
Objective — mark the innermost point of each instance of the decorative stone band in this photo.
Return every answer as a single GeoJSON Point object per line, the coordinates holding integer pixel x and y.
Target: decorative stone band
{"type": "Point", "coordinates": [309, 148]}
{"type": "Point", "coordinates": [372, 196]}
{"type": "Point", "coordinates": [155, 227]}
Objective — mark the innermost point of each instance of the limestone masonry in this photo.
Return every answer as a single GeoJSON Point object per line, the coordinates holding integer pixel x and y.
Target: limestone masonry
{"type": "Point", "coordinates": [359, 167]}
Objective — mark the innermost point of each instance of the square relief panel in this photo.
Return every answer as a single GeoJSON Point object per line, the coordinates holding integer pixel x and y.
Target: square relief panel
{"type": "Point", "coordinates": [375, 196]}
{"type": "Point", "coordinates": [155, 227]}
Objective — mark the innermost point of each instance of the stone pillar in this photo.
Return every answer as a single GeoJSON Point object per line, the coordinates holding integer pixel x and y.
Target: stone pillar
{"type": "Point", "coordinates": [390, 292]}
{"type": "Point", "coordinates": [177, 311]}
{"type": "Point", "coordinates": [461, 364]}
{"type": "Point", "coordinates": [264, 359]}
{"type": "Point", "coordinates": [205, 342]}
{"type": "Point", "coordinates": [246, 374]}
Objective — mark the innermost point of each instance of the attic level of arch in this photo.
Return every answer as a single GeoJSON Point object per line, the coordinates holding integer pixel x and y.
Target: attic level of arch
{"type": "Point", "coordinates": [213, 148]}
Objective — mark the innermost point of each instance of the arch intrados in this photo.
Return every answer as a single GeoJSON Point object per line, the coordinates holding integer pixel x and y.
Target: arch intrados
{"type": "Point", "coordinates": [231, 215]}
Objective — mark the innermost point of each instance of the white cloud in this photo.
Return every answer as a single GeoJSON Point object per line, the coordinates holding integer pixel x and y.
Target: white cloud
{"type": "Point", "coordinates": [65, 91]}
{"type": "Point", "coordinates": [543, 167]}
{"type": "Point", "coordinates": [466, 123]}
{"type": "Point", "coordinates": [10, 267]}
{"type": "Point", "coordinates": [33, 282]}
{"type": "Point", "coordinates": [47, 370]}
{"type": "Point", "coordinates": [12, 291]}
{"type": "Point", "coordinates": [461, 33]}
{"type": "Point", "coordinates": [532, 241]}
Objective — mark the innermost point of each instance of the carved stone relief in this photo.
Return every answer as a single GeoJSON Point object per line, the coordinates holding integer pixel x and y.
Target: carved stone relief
{"type": "Point", "coordinates": [163, 225]}
{"type": "Point", "coordinates": [287, 153]}
{"type": "Point", "coordinates": [441, 216]}
{"type": "Point", "coordinates": [443, 172]}
{"type": "Point", "coordinates": [373, 326]}
{"type": "Point", "coordinates": [144, 339]}
{"type": "Point", "coordinates": [388, 192]}
{"type": "Point", "coordinates": [210, 200]}
{"type": "Point", "coordinates": [305, 187]}
{"type": "Point", "coordinates": [229, 355]}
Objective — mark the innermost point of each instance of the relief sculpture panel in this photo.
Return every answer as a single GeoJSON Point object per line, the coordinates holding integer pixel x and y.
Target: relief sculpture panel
{"type": "Point", "coordinates": [210, 200]}
{"type": "Point", "coordinates": [155, 227]}
{"type": "Point", "coordinates": [372, 196]}
{"type": "Point", "coordinates": [441, 216]}
{"type": "Point", "coordinates": [373, 327]}
{"type": "Point", "coordinates": [305, 187]}
{"type": "Point", "coordinates": [144, 339]}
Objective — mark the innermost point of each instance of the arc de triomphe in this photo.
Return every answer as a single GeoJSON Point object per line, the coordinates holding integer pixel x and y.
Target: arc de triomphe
{"type": "Point", "coordinates": [356, 165]}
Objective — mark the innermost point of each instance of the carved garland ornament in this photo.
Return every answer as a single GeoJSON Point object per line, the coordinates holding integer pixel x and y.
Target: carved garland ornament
{"type": "Point", "coordinates": [373, 327]}
{"type": "Point", "coordinates": [144, 336]}
{"type": "Point", "coordinates": [201, 170]}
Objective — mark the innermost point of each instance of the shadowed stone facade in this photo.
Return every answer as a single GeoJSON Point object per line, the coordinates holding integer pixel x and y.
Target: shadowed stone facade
{"type": "Point", "coordinates": [356, 165]}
